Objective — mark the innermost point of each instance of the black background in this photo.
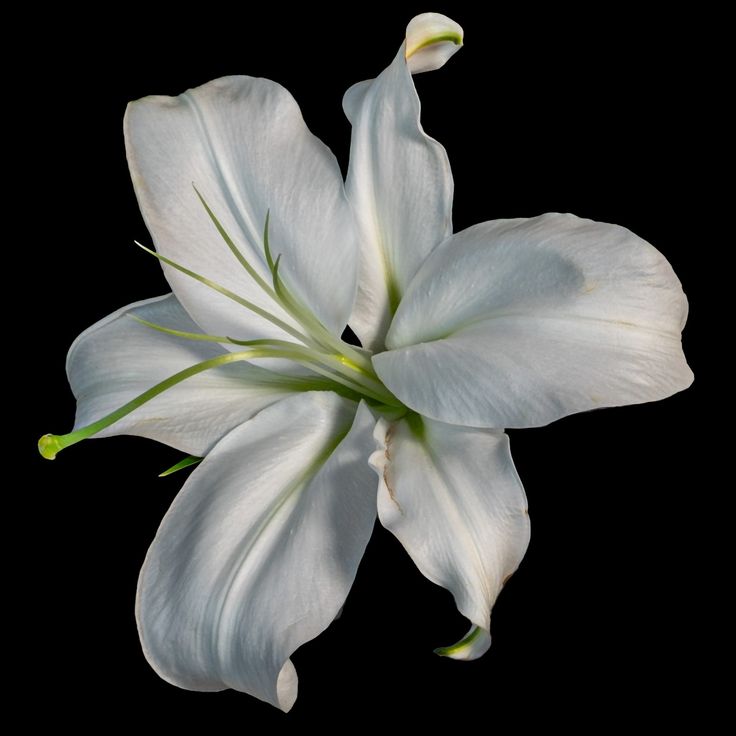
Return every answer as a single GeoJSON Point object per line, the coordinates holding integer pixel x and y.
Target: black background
{"type": "Point", "coordinates": [539, 112]}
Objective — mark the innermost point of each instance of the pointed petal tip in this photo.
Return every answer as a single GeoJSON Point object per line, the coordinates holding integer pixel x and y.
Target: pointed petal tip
{"type": "Point", "coordinates": [377, 460]}
{"type": "Point", "coordinates": [431, 39]}
{"type": "Point", "coordinates": [472, 646]}
{"type": "Point", "coordinates": [607, 329]}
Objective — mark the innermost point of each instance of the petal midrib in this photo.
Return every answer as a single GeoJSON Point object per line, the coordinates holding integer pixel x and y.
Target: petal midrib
{"type": "Point", "coordinates": [292, 491]}
{"type": "Point", "coordinates": [452, 514]}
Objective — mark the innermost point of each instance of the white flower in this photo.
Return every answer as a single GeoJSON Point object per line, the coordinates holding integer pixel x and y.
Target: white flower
{"type": "Point", "coordinates": [511, 323]}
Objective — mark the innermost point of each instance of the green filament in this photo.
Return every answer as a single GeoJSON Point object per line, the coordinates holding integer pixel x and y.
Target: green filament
{"type": "Point", "coordinates": [179, 333]}
{"type": "Point", "coordinates": [338, 367]}
{"type": "Point", "coordinates": [229, 294]}
{"type": "Point", "coordinates": [50, 444]}
{"type": "Point", "coordinates": [318, 335]}
{"type": "Point", "coordinates": [234, 248]}
{"type": "Point", "coordinates": [183, 463]}
{"type": "Point", "coordinates": [266, 245]}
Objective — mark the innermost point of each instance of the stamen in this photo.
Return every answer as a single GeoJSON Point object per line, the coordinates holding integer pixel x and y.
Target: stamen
{"type": "Point", "coordinates": [335, 363]}
{"type": "Point", "coordinates": [266, 246]}
{"type": "Point", "coordinates": [342, 368]}
{"type": "Point", "coordinates": [310, 359]}
{"type": "Point", "coordinates": [234, 248]}
{"type": "Point", "coordinates": [229, 294]}
{"type": "Point", "coordinates": [314, 327]}
{"type": "Point", "coordinates": [318, 335]}
{"type": "Point", "coordinates": [180, 333]}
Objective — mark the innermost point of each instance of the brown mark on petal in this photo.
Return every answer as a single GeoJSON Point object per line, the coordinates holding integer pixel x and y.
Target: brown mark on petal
{"type": "Point", "coordinates": [387, 453]}
{"type": "Point", "coordinates": [589, 286]}
{"type": "Point", "coordinates": [506, 579]}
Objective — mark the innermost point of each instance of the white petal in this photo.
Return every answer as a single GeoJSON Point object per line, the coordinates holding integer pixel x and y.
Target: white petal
{"type": "Point", "coordinates": [119, 358]}
{"type": "Point", "coordinates": [259, 549]}
{"type": "Point", "coordinates": [516, 323]}
{"type": "Point", "coordinates": [452, 497]}
{"type": "Point", "coordinates": [400, 185]}
{"type": "Point", "coordinates": [243, 143]}
{"type": "Point", "coordinates": [431, 39]}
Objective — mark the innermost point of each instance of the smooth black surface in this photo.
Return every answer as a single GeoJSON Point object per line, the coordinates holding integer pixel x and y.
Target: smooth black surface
{"type": "Point", "coordinates": [538, 113]}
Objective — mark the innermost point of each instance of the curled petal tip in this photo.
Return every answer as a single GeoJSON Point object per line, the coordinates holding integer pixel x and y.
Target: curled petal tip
{"type": "Point", "coordinates": [49, 445]}
{"type": "Point", "coordinates": [473, 645]}
{"type": "Point", "coordinates": [431, 39]}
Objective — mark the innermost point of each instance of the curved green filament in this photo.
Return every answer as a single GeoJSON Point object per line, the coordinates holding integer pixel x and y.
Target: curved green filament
{"type": "Point", "coordinates": [280, 294]}
{"type": "Point", "coordinates": [50, 445]}
{"type": "Point", "coordinates": [346, 382]}
{"type": "Point", "coordinates": [336, 364]}
{"type": "Point", "coordinates": [266, 246]}
{"type": "Point", "coordinates": [179, 333]}
{"type": "Point", "coordinates": [317, 336]}
{"type": "Point", "coordinates": [366, 383]}
{"type": "Point", "coordinates": [234, 248]}
{"type": "Point", "coordinates": [339, 367]}
{"type": "Point", "coordinates": [315, 328]}
{"type": "Point", "coordinates": [336, 368]}
{"type": "Point", "coordinates": [229, 294]}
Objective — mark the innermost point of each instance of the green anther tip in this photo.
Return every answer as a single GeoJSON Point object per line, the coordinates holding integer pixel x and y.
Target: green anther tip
{"type": "Point", "coordinates": [49, 445]}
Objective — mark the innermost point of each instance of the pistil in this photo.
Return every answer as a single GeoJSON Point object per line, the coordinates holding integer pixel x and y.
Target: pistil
{"type": "Point", "coordinates": [338, 366]}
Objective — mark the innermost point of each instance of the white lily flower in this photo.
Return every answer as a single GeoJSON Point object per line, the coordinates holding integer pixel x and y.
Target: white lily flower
{"type": "Point", "coordinates": [511, 323]}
